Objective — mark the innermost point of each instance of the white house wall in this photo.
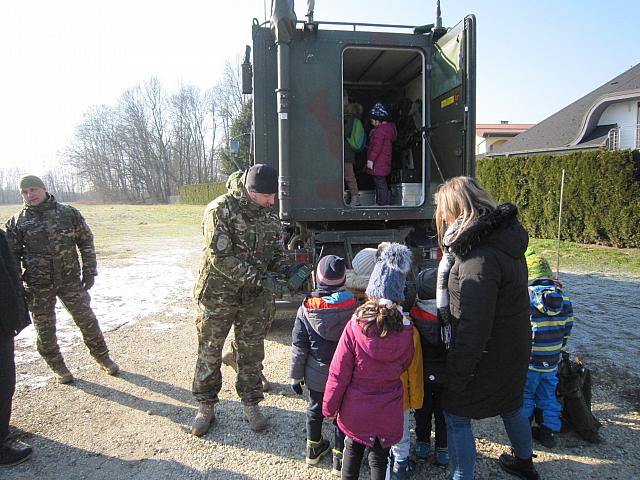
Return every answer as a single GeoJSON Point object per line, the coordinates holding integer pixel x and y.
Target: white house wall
{"type": "Point", "coordinates": [625, 115]}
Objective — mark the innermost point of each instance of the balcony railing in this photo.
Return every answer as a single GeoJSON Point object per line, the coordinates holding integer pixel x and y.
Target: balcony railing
{"type": "Point", "coordinates": [624, 137]}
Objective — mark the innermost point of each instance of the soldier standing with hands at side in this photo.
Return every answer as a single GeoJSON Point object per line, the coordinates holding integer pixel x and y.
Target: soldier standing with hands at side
{"type": "Point", "coordinates": [46, 236]}
{"type": "Point", "coordinates": [242, 270]}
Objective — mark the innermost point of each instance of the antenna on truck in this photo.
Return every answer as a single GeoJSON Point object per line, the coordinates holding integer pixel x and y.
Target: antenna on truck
{"type": "Point", "coordinates": [438, 29]}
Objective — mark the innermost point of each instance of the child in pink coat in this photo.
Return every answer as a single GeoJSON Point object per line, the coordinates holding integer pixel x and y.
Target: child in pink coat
{"type": "Point", "coordinates": [364, 390]}
{"type": "Point", "coordinates": [381, 138]}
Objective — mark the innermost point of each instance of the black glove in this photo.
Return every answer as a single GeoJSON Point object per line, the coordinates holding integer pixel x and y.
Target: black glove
{"type": "Point", "coordinates": [296, 386]}
{"type": "Point", "coordinates": [275, 284]}
{"type": "Point", "coordinates": [88, 280]}
{"type": "Point", "coordinates": [298, 275]}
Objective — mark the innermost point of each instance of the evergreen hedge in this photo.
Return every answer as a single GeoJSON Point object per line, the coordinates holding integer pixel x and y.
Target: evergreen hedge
{"type": "Point", "coordinates": [201, 193]}
{"type": "Point", "coordinates": [601, 202]}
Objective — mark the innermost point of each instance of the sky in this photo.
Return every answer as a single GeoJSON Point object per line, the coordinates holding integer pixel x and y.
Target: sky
{"type": "Point", "coordinates": [60, 58]}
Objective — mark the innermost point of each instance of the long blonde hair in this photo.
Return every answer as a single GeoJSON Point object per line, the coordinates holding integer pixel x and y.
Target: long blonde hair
{"type": "Point", "coordinates": [463, 198]}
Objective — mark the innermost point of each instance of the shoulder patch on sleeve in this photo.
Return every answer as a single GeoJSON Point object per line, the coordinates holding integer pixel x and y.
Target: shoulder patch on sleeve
{"type": "Point", "coordinates": [221, 243]}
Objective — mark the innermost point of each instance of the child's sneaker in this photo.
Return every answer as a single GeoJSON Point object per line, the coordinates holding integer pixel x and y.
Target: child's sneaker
{"type": "Point", "coordinates": [423, 449]}
{"type": "Point", "coordinates": [442, 456]}
{"type": "Point", "coordinates": [544, 436]}
{"type": "Point", "coordinates": [316, 450]}
{"type": "Point", "coordinates": [336, 470]}
{"type": "Point", "coordinates": [403, 469]}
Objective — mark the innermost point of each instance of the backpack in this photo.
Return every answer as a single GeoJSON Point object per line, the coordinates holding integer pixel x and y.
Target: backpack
{"type": "Point", "coordinates": [574, 394]}
{"type": "Point", "coordinates": [357, 138]}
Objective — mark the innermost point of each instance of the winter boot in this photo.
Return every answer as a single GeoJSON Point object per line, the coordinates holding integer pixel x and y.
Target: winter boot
{"type": "Point", "coordinates": [316, 450]}
{"type": "Point", "coordinates": [442, 456]}
{"type": "Point", "coordinates": [204, 418]}
{"type": "Point", "coordinates": [254, 416]}
{"type": "Point", "coordinates": [61, 373]}
{"type": "Point", "coordinates": [544, 436]}
{"type": "Point", "coordinates": [521, 468]}
{"type": "Point", "coordinates": [13, 452]}
{"type": "Point", "coordinates": [108, 365]}
{"type": "Point", "coordinates": [423, 449]}
{"type": "Point", "coordinates": [336, 469]}
{"type": "Point", "coordinates": [229, 359]}
{"type": "Point", "coordinates": [403, 469]}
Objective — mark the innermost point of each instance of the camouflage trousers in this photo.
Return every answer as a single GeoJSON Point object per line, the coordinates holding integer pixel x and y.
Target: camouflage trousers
{"type": "Point", "coordinates": [251, 322]}
{"type": "Point", "coordinates": [77, 301]}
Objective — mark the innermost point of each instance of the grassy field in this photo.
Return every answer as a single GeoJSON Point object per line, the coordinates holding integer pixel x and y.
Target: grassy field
{"type": "Point", "coordinates": [117, 227]}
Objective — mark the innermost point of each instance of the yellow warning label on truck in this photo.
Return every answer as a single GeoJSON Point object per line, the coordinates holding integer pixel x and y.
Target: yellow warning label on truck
{"type": "Point", "coordinates": [447, 101]}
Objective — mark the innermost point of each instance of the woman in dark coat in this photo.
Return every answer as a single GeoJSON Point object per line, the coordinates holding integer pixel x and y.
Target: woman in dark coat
{"type": "Point", "coordinates": [14, 316]}
{"type": "Point", "coordinates": [483, 302]}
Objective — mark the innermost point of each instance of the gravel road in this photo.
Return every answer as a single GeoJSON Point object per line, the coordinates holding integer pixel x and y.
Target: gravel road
{"type": "Point", "coordinates": [135, 425]}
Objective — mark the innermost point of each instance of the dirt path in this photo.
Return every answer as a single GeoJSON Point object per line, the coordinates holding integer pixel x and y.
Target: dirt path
{"type": "Point", "coordinates": [135, 425]}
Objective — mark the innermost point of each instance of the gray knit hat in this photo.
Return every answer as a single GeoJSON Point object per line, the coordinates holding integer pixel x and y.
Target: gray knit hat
{"type": "Point", "coordinates": [27, 181]}
{"type": "Point", "coordinates": [389, 274]}
{"type": "Point", "coordinates": [364, 261]}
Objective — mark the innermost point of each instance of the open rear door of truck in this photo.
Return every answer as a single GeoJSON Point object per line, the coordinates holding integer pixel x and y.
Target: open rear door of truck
{"type": "Point", "coordinates": [452, 86]}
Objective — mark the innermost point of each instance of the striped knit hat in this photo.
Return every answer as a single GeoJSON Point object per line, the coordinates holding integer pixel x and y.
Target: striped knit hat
{"type": "Point", "coordinates": [537, 265]}
{"type": "Point", "coordinates": [331, 272]}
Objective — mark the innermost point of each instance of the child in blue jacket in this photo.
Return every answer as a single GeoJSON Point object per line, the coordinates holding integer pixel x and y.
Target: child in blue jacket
{"type": "Point", "coordinates": [319, 324]}
{"type": "Point", "coordinates": [551, 323]}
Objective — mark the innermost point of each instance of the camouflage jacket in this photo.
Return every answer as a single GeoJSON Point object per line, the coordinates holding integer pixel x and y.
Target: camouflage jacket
{"type": "Point", "coordinates": [45, 240]}
{"type": "Point", "coordinates": [242, 241]}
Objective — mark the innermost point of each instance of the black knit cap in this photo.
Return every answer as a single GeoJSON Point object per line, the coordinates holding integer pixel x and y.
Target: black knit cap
{"type": "Point", "coordinates": [426, 284]}
{"type": "Point", "coordinates": [261, 178]}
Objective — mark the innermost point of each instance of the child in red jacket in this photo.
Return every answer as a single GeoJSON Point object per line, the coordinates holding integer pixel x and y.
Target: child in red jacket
{"type": "Point", "coordinates": [434, 357]}
{"type": "Point", "coordinates": [364, 389]}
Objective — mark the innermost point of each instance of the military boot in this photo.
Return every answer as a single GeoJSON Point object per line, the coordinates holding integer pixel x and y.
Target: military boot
{"type": "Point", "coordinates": [254, 416]}
{"type": "Point", "coordinates": [229, 359]}
{"type": "Point", "coordinates": [108, 365]}
{"type": "Point", "coordinates": [61, 373]}
{"type": "Point", "coordinates": [204, 418]}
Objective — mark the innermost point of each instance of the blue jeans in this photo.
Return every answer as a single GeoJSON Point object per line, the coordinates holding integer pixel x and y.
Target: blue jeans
{"type": "Point", "coordinates": [462, 444]}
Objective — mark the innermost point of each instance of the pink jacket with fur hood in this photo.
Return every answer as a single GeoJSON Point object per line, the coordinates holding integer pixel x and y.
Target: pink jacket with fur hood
{"type": "Point", "coordinates": [364, 389]}
{"type": "Point", "coordinates": [381, 139]}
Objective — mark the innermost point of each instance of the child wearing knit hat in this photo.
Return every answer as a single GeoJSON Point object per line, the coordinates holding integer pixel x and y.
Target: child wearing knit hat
{"type": "Point", "coordinates": [379, 151]}
{"type": "Point", "coordinates": [434, 357]}
{"type": "Point", "coordinates": [317, 329]}
{"type": "Point", "coordinates": [364, 391]}
{"type": "Point", "coordinates": [551, 315]}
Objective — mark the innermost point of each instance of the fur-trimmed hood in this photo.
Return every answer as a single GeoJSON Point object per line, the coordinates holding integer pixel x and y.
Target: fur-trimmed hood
{"type": "Point", "coordinates": [500, 227]}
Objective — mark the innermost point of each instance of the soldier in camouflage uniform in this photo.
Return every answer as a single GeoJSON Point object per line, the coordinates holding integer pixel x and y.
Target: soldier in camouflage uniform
{"type": "Point", "coordinates": [45, 237]}
{"type": "Point", "coordinates": [241, 271]}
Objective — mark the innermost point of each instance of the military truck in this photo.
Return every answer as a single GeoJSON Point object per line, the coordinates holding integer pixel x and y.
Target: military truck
{"type": "Point", "coordinates": [298, 75]}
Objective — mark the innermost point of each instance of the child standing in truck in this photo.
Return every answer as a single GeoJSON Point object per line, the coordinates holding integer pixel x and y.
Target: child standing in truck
{"type": "Point", "coordinates": [381, 138]}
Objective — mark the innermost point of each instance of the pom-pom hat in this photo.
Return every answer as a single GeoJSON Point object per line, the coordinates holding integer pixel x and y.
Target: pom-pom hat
{"type": "Point", "coordinates": [389, 274]}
